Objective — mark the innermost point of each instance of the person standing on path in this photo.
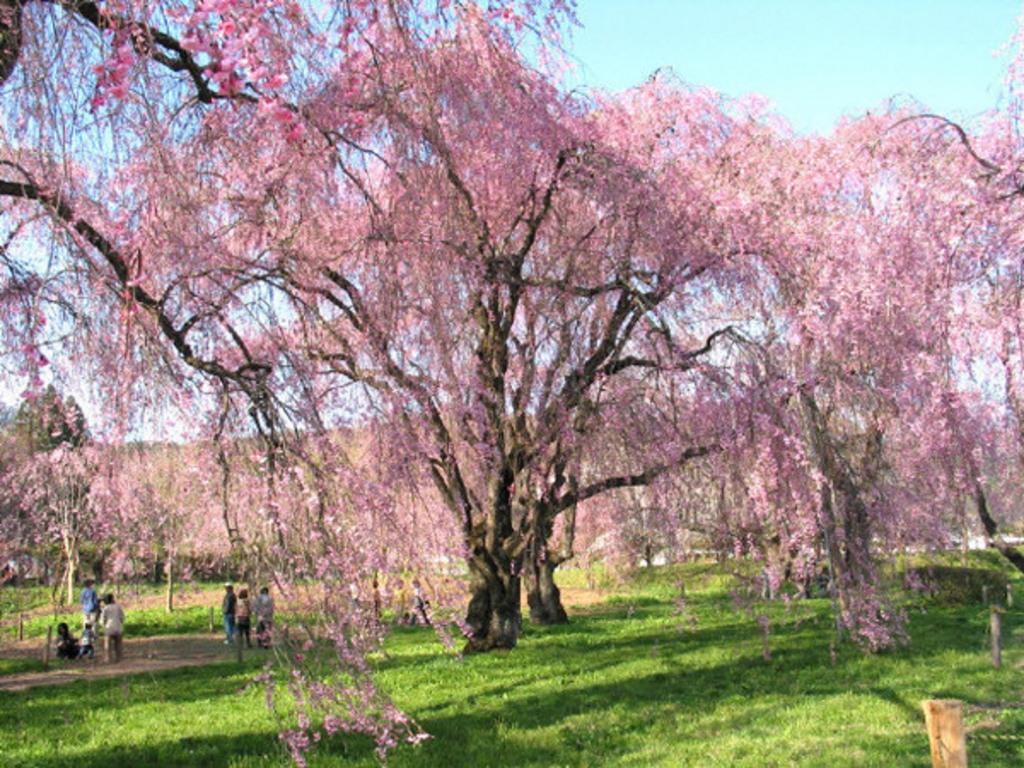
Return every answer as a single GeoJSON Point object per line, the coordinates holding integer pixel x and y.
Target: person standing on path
{"type": "Point", "coordinates": [264, 617]}
{"type": "Point", "coordinates": [228, 607]}
{"type": "Point", "coordinates": [113, 628]}
{"type": "Point", "coordinates": [243, 617]}
{"type": "Point", "coordinates": [90, 604]}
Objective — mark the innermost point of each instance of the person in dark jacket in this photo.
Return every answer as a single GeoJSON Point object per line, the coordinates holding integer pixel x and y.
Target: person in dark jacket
{"type": "Point", "coordinates": [67, 645]}
{"type": "Point", "coordinates": [228, 607]}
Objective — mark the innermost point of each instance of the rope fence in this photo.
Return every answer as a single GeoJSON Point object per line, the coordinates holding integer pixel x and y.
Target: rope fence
{"type": "Point", "coordinates": [948, 737]}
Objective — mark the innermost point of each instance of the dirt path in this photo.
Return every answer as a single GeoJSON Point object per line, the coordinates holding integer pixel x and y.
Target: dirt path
{"type": "Point", "coordinates": [152, 654]}
{"type": "Point", "coordinates": [145, 654]}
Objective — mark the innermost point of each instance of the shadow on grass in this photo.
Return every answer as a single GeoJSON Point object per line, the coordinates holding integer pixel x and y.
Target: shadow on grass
{"type": "Point", "coordinates": [182, 685]}
{"type": "Point", "coordinates": [252, 748]}
{"type": "Point", "coordinates": [693, 681]}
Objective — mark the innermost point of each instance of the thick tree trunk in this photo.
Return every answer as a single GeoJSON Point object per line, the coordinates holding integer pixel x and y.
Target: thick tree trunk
{"type": "Point", "coordinates": [836, 578]}
{"type": "Point", "coordinates": [543, 595]}
{"type": "Point", "coordinates": [494, 615]}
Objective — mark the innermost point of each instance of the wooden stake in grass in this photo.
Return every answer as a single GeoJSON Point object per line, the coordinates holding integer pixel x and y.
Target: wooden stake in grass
{"type": "Point", "coordinates": [944, 719]}
{"type": "Point", "coordinates": [211, 618]}
{"type": "Point", "coordinates": [46, 648]}
{"type": "Point", "coordinates": [21, 626]}
{"type": "Point", "coordinates": [169, 570]}
{"type": "Point", "coordinates": [996, 624]}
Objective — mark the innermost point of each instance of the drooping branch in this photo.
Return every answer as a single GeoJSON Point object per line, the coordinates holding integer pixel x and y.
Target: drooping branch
{"type": "Point", "coordinates": [575, 496]}
{"type": "Point", "coordinates": [992, 530]}
{"type": "Point", "coordinates": [990, 167]}
{"type": "Point", "coordinates": [686, 358]}
{"type": "Point", "coordinates": [62, 212]}
{"type": "Point", "coordinates": [162, 47]}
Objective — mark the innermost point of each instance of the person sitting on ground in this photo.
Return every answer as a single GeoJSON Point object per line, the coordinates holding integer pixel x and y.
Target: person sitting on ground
{"type": "Point", "coordinates": [243, 617]}
{"type": "Point", "coordinates": [85, 646]}
{"type": "Point", "coordinates": [67, 645]}
{"type": "Point", "coordinates": [113, 628]}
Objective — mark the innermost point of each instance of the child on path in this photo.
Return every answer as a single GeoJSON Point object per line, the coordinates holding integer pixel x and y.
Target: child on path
{"type": "Point", "coordinates": [85, 647]}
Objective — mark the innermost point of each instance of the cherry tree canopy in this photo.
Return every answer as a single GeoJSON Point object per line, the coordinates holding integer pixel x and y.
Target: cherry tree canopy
{"type": "Point", "coordinates": [316, 227]}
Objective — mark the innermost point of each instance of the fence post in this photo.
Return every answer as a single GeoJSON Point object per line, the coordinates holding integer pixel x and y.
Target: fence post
{"type": "Point", "coordinates": [996, 625]}
{"type": "Point", "coordinates": [944, 719]}
{"type": "Point", "coordinates": [46, 648]}
{"type": "Point", "coordinates": [21, 626]}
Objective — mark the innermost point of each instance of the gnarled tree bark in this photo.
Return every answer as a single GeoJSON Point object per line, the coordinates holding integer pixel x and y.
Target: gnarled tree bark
{"type": "Point", "coordinates": [495, 613]}
{"type": "Point", "coordinates": [10, 36]}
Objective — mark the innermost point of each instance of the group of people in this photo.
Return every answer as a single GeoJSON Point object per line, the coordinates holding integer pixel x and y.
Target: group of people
{"type": "Point", "coordinates": [238, 610]}
{"type": "Point", "coordinates": [97, 612]}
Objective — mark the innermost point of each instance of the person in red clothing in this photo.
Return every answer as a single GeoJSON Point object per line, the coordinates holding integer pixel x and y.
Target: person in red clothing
{"type": "Point", "coordinates": [243, 617]}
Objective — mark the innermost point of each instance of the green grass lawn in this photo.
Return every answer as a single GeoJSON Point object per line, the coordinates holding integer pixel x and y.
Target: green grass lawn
{"type": "Point", "coordinates": [619, 686]}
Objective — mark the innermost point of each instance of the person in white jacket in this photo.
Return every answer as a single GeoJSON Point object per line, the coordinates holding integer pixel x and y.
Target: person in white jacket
{"type": "Point", "coordinates": [112, 618]}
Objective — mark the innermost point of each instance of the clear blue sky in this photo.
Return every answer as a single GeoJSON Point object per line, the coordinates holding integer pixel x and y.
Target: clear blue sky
{"type": "Point", "coordinates": [815, 60]}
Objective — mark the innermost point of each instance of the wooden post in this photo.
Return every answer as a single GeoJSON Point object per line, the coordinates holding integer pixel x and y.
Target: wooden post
{"type": "Point", "coordinates": [997, 637]}
{"type": "Point", "coordinates": [46, 648]}
{"type": "Point", "coordinates": [1009, 595]}
{"type": "Point", "coordinates": [21, 626]}
{"type": "Point", "coordinates": [944, 719]}
{"type": "Point", "coordinates": [211, 618]}
{"type": "Point", "coordinates": [169, 568]}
